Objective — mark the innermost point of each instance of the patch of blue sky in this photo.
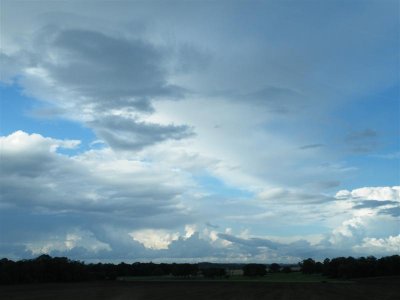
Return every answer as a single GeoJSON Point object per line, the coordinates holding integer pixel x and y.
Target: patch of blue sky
{"type": "Point", "coordinates": [274, 228]}
{"type": "Point", "coordinates": [373, 171]}
{"type": "Point", "coordinates": [17, 113]}
{"type": "Point", "coordinates": [215, 186]}
{"type": "Point", "coordinates": [380, 113]}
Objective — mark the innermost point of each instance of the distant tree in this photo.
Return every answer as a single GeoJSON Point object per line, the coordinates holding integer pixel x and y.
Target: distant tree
{"type": "Point", "coordinates": [325, 268]}
{"type": "Point", "coordinates": [319, 267]}
{"type": "Point", "coordinates": [213, 272]}
{"type": "Point", "coordinates": [274, 268]}
{"type": "Point", "coordinates": [286, 269]}
{"type": "Point", "coordinates": [61, 269]}
{"type": "Point", "coordinates": [184, 270]}
{"type": "Point", "coordinates": [308, 266]}
{"type": "Point", "coordinates": [254, 270]}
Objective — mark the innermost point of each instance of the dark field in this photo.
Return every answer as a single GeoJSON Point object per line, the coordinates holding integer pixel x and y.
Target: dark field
{"type": "Point", "coordinates": [379, 289]}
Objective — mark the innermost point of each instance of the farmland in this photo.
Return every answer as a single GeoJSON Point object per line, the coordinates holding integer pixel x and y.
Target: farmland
{"type": "Point", "coordinates": [371, 288]}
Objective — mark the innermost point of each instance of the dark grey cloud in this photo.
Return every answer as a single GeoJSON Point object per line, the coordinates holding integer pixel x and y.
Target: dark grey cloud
{"type": "Point", "coordinates": [251, 242]}
{"type": "Point", "coordinates": [192, 247]}
{"type": "Point", "coordinates": [275, 99]}
{"type": "Point", "coordinates": [294, 196]}
{"type": "Point", "coordinates": [255, 246]}
{"type": "Point", "coordinates": [300, 249]}
{"type": "Point", "coordinates": [325, 184]}
{"type": "Point", "coordinates": [208, 224]}
{"type": "Point", "coordinates": [191, 58]}
{"type": "Point", "coordinates": [362, 141]}
{"type": "Point", "coordinates": [392, 211]}
{"type": "Point", "coordinates": [373, 204]}
{"type": "Point", "coordinates": [128, 134]}
{"type": "Point", "coordinates": [90, 75]}
{"type": "Point", "coordinates": [311, 146]}
{"type": "Point", "coordinates": [112, 71]}
{"type": "Point", "coordinates": [10, 67]}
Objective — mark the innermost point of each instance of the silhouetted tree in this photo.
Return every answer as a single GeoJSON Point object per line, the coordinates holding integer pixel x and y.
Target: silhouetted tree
{"type": "Point", "coordinates": [274, 268]}
{"type": "Point", "coordinates": [213, 272]}
{"type": "Point", "coordinates": [254, 270]}
{"type": "Point", "coordinates": [286, 269]}
{"type": "Point", "coordinates": [61, 269]}
{"type": "Point", "coordinates": [184, 270]}
{"type": "Point", "coordinates": [308, 266]}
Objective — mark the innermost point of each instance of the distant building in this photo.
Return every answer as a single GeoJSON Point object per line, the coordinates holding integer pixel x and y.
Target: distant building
{"type": "Point", "coordinates": [234, 272]}
{"type": "Point", "coordinates": [295, 268]}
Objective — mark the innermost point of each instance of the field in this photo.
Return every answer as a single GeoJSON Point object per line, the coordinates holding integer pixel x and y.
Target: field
{"type": "Point", "coordinates": [277, 277]}
{"type": "Point", "coordinates": [376, 288]}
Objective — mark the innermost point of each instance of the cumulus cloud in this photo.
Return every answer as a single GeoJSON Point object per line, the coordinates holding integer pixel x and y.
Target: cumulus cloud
{"type": "Point", "coordinates": [371, 193]}
{"type": "Point", "coordinates": [85, 196]}
{"type": "Point", "coordinates": [95, 181]}
{"type": "Point", "coordinates": [75, 239]}
{"type": "Point", "coordinates": [154, 239]}
{"type": "Point", "coordinates": [380, 200]}
{"type": "Point", "coordinates": [381, 246]}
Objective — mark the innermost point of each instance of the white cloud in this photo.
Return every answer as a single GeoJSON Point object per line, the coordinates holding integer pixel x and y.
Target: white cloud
{"type": "Point", "coordinates": [20, 142]}
{"type": "Point", "coordinates": [371, 193]}
{"type": "Point", "coordinates": [76, 238]}
{"type": "Point", "coordinates": [381, 246]}
{"type": "Point", "coordinates": [154, 239]}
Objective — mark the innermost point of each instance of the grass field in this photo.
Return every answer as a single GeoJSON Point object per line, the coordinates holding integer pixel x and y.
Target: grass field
{"type": "Point", "coordinates": [379, 289]}
{"type": "Point", "coordinates": [277, 277]}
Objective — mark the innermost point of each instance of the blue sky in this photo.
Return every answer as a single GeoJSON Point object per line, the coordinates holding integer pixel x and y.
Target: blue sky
{"type": "Point", "coordinates": [190, 131]}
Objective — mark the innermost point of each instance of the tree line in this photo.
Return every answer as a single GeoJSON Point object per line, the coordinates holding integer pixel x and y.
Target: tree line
{"type": "Point", "coordinates": [61, 269]}
{"type": "Point", "coordinates": [350, 267]}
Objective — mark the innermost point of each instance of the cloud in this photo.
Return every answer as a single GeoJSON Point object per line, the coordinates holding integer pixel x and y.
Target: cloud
{"type": "Point", "coordinates": [251, 243]}
{"type": "Point", "coordinates": [109, 72]}
{"type": "Point", "coordinates": [107, 82]}
{"type": "Point", "coordinates": [371, 193]}
{"type": "Point", "coordinates": [275, 99]}
{"type": "Point", "coordinates": [191, 247]}
{"type": "Point", "coordinates": [383, 246]}
{"type": "Point", "coordinates": [373, 203]}
{"type": "Point", "coordinates": [394, 155]}
{"type": "Point", "coordinates": [10, 68]}
{"type": "Point", "coordinates": [154, 239]}
{"type": "Point", "coordinates": [311, 146]}
{"type": "Point", "coordinates": [95, 181]}
{"type": "Point", "coordinates": [75, 239]}
{"type": "Point", "coordinates": [88, 205]}
{"type": "Point", "coordinates": [128, 134]}
{"type": "Point", "coordinates": [290, 196]}
{"type": "Point", "coordinates": [362, 141]}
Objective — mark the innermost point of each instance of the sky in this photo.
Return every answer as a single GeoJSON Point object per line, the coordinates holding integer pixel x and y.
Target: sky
{"type": "Point", "coordinates": [187, 131]}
